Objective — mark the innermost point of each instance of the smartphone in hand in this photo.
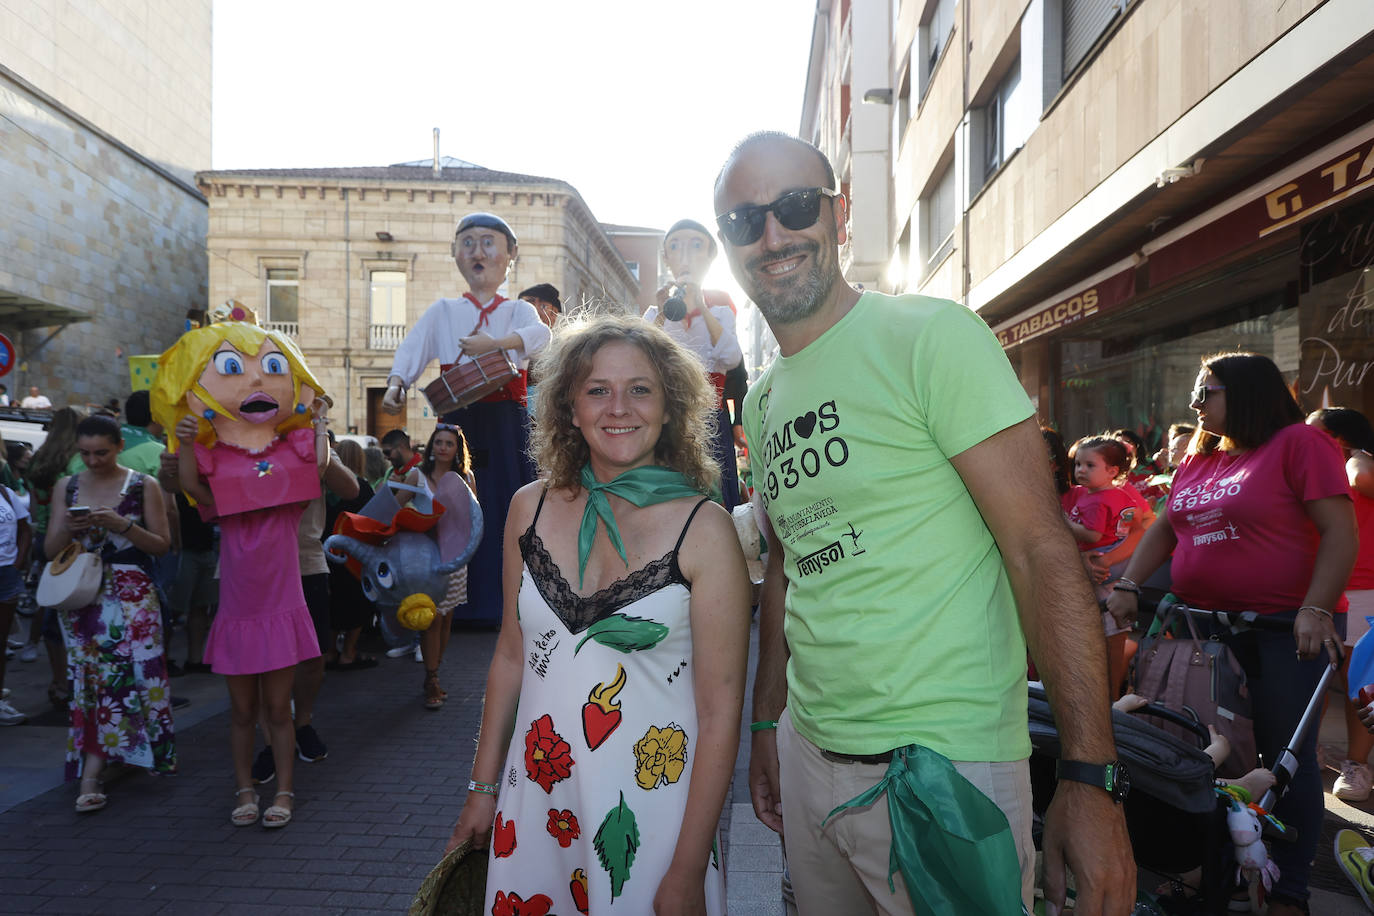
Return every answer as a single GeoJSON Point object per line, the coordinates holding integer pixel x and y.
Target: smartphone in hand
{"type": "Point", "coordinates": [79, 511]}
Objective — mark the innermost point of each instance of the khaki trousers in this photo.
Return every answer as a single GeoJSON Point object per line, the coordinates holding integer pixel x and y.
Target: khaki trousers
{"type": "Point", "coordinates": [843, 869]}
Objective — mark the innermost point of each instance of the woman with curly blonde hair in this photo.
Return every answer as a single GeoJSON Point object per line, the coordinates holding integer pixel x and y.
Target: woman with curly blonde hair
{"type": "Point", "coordinates": [559, 448]}
{"type": "Point", "coordinates": [621, 676]}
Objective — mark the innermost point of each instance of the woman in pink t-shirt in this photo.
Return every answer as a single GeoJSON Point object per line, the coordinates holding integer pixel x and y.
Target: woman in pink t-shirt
{"type": "Point", "coordinates": [1260, 519]}
{"type": "Point", "coordinates": [1353, 434]}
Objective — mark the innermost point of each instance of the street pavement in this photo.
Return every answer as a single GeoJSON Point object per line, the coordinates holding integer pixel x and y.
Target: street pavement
{"type": "Point", "coordinates": [370, 820]}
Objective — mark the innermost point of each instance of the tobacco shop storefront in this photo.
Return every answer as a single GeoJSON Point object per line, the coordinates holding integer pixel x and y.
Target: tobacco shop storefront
{"type": "Point", "coordinates": [1285, 268]}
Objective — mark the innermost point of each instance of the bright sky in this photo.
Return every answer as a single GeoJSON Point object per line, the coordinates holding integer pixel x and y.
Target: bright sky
{"type": "Point", "coordinates": [634, 102]}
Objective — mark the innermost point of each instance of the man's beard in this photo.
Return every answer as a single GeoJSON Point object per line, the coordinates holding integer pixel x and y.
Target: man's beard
{"type": "Point", "coordinates": [804, 296]}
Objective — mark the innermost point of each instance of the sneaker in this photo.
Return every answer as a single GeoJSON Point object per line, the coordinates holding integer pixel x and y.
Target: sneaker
{"type": "Point", "coordinates": [16, 642]}
{"type": "Point", "coordinates": [264, 767]}
{"type": "Point", "coordinates": [1354, 783]}
{"type": "Point", "coordinates": [29, 653]}
{"type": "Point", "coordinates": [309, 747]}
{"type": "Point", "coordinates": [1357, 861]}
{"type": "Point", "coordinates": [9, 715]}
{"type": "Point", "coordinates": [400, 651]}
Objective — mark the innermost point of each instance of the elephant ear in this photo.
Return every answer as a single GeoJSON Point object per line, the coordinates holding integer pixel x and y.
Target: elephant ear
{"type": "Point", "coordinates": [469, 513]}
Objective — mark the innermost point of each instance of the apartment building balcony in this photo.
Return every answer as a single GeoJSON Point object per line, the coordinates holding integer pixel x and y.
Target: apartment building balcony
{"type": "Point", "coordinates": [386, 336]}
{"type": "Point", "coordinates": [289, 328]}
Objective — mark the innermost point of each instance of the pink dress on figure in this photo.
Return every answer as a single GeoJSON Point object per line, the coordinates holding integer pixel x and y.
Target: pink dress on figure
{"type": "Point", "coordinates": [263, 623]}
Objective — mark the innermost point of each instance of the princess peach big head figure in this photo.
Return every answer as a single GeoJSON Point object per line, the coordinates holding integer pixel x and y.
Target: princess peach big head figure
{"type": "Point", "coordinates": [249, 388]}
{"type": "Point", "coordinates": [242, 403]}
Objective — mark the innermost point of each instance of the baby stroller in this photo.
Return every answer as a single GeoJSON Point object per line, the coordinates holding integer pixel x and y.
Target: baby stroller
{"type": "Point", "coordinates": [1176, 819]}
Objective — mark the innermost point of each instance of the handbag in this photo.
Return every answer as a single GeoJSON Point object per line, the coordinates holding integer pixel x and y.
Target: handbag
{"type": "Point", "coordinates": [71, 580]}
{"type": "Point", "coordinates": [1202, 679]}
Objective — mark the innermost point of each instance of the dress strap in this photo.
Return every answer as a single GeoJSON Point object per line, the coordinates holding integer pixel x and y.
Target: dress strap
{"type": "Point", "coordinates": [539, 508]}
{"type": "Point", "coordinates": [683, 536]}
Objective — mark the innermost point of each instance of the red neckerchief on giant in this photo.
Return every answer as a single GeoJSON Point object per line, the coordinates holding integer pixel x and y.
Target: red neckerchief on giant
{"type": "Point", "coordinates": [483, 311]}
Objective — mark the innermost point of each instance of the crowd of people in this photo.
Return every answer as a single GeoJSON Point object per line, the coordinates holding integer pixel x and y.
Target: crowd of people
{"type": "Point", "coordinates": [606, 471]}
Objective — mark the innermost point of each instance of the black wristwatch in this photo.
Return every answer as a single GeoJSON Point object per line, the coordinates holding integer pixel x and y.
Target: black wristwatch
{"type": "Point", "coordinates": [1112, 777]}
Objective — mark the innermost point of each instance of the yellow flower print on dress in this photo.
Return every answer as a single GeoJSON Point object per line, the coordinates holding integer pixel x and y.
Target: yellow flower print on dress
{"type": "Point", "coordinates": [660, 756]}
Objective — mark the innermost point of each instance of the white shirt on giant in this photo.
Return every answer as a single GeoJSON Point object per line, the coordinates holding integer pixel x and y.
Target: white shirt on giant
{"type": "Point", "coordinates": [438, 334]}
{"type": "Point", "coordinates": [721, 356]}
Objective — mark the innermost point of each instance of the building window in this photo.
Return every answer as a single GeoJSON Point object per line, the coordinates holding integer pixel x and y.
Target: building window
{"type": "Point", "coordinates": [283, 300]}
{"type": "Point", "coordinates": [1084, 22]}
{"type": "Point", "coordinates": [903, 102]}
{"type": "Point", "coordinates": [388, 299]}
{"type": "Point", "coordinates": [933, 37]}
{"type": "Point", "coordinates": [1004, 124]}
{"type": "Point", "coordinates": [634, 269]}
{"type": "Point", "coordinates": [938, 211]}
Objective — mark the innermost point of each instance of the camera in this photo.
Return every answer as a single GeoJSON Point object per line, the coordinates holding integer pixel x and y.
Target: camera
{"type": "Point", "coordinates": [675, 307]}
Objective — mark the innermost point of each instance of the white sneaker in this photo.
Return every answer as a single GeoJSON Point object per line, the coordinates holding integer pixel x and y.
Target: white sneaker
{"type": "Point", "coordinates": [1354, 783]}
{"type": "Point", "coordinates": [29, 653]}
{"type": "Point", "coordinates": [398, 652]}
{"type": "Point", "coordinates": [9, 715]}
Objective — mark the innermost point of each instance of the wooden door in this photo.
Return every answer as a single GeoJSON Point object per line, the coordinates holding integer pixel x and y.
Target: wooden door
{"type": "Point", "coordinates": [380, 421]}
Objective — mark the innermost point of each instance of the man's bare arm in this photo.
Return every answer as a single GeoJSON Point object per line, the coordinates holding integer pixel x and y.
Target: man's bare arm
{"type": "Point", "coordinates": [1008, 477]}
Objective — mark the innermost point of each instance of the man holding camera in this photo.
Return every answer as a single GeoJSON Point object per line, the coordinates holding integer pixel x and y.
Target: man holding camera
{"type": "Point", "coordinates": [478, 322]}
{"type": "Point", "coordinates": [703, 321]}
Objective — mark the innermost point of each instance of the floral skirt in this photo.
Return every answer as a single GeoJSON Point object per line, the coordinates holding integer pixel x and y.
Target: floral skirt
{"type": "Point", "coordinates": [121, 707]}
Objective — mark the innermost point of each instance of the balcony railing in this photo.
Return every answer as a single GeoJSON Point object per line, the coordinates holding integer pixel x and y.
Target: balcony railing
{"type": "Point", "coordinates": [289, 328]}
{"type": "Point", "coordinates": [387, 336]}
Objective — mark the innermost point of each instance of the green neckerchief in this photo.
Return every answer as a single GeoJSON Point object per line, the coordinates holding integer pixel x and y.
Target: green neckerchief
{"type": "Point", "coordinates": [646, 485]}
{"type": "Point", "coordinates": [951, 842]}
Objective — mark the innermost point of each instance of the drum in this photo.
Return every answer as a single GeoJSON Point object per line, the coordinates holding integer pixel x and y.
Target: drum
{"type": "Point", "coordinates": [470, 381]}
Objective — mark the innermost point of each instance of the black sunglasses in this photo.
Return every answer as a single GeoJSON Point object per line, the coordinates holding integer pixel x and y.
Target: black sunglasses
{"type": "Point", "coordinates": [1200, 393]}
{"type": "Point", "coordinates": [795, 210]}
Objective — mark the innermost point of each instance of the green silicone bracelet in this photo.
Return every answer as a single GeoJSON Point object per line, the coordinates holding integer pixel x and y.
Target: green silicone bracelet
{"type": "Point", "coordinates": [762, 726]}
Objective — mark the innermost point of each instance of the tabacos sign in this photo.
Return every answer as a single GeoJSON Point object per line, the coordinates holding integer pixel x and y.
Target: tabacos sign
{"type": "Point", "coordinates": [1084, 303]}
{"type": "Point", "coordinates": [1051, 318]}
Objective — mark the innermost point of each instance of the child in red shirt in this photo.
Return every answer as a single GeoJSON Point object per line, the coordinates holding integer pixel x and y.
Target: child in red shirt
{"type": "Point", "coordinates": [1099, 513]}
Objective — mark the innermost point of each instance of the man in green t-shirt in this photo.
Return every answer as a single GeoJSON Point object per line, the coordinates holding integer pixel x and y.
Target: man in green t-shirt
{"type": "Point", "coordinates": [916, 536]}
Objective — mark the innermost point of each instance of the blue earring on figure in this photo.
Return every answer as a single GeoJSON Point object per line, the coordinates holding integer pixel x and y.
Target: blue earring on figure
{"type": "Point", "coordinates": [208, 414]}
{"type": "Point", "coordinates": [300, 408]}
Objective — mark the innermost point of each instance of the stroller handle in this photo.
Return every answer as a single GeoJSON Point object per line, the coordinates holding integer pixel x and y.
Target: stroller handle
{"type": "Point", "coordinates": [1235, 621]}
{"type": "Point", "coordinates": [1177, 718]}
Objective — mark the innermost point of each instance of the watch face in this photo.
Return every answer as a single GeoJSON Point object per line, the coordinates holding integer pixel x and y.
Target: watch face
{"type": "Point", "coordinates": [1120, 780]}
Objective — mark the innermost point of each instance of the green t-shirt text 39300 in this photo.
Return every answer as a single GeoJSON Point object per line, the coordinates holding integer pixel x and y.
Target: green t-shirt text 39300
{"type": "Point", "coordinates": [900, 619]}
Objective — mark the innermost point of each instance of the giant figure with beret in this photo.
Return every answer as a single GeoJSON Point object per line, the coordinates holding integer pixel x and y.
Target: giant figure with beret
{"type": "Point", "coordinates": [454, 329]}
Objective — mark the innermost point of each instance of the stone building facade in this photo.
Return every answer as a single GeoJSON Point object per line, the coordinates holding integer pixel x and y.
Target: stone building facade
{"type": "Point", "coordinates": [642, 249]}
{"type": "Point", "coordinates": [104, 119]}
{"type": "Point", "coordinates": [346, 260]}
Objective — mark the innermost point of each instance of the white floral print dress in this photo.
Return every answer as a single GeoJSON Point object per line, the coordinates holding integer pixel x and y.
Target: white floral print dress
{"type": "Point", "coordinates": [595, 782]}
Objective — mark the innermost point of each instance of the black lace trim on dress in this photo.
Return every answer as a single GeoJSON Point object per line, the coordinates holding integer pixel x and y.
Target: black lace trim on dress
{"type": "Point", "coordinates": [578, 612]}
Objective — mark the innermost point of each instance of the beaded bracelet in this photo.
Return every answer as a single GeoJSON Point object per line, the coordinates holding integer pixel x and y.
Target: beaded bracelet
{"type": "Point", "coordinates": [1320, 610]}
{"type": "Point", "coordinates": [485, 788]}
{"type": "Point", "coordinates": [1129, 583]}
{"type": "Point", "coordinates": [762, 726]}
{"type": "Point", "coordinates": [1132, 588]}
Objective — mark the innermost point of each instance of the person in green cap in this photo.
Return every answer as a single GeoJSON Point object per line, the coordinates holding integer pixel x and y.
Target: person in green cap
{"type": "Point", "coordinates": [918, 548]}
{"type": "Point", "coordinates": [612, 710]}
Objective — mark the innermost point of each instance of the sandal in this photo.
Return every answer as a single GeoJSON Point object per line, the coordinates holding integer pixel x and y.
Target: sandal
{"type": "Point", "coordinates": [87, 802]}
{"type": "Point", "coordinates": [277, 816]}
{"type": "Point", "coordinates": [434, 694]}
{"type": "Point", "coordinates": [245, 815]}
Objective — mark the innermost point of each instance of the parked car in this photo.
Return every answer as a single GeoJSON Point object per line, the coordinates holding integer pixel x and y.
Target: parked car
{"type": "Point", "coordinates": [27, 426]}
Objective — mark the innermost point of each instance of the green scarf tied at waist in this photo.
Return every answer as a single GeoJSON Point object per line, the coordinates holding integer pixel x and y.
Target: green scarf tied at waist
{"type": "Point", "coordinates": [646, 485]}
{"type": "Point", "coordinates": [951, 842]}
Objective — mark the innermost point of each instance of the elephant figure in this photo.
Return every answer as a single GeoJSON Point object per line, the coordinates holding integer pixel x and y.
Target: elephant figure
{"type": "Point", "coordinates": [406, 564]}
